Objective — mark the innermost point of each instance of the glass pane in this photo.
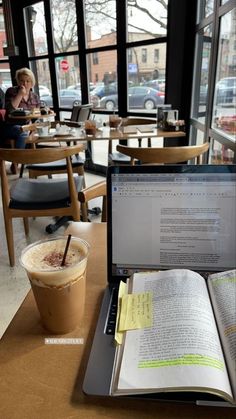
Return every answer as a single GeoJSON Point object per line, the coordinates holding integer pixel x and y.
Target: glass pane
{"type": "Point", "coordinates": [5, 76]}
{"type": "Point", "coordinates": [202, 60]}
{"type": "Point", "coordinates": [68, 78]}
{"type": "Point", "coordinates": [100, 19]}
{"type": "Point", "coordinates": [103, 76]}
{"type": "Point", "coordinates": [146, 76]}
{"type": "Point", "coordinates": [209, 7]}
{"type": "Point", "coordinates": [225, 87]}
{"type": "Point", "coordinates": [146, 20]}
{"type": "Point", "coordinates": [2, 33]}
{"type": "Point", "coordinates": [220, 154]}
{"type": "Point", "coordinates": [205, 8]}
{"type": "Point", "coordinates": [147, 66]}
{"type": "Point", "coordinates": [43, 87]}
{"type": "Point", "coordinates": [35, 29]}
{"type": "Point", "coordinates": [64, 25]}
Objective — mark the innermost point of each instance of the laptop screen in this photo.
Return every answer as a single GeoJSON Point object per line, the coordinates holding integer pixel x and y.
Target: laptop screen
{"type": "Point", "coordinates": [164, 217]}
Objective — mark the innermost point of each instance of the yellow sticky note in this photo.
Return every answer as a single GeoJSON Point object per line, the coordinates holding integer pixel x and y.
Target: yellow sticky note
{"type": "Point", "coordinates": [136, 311]}
{"type": "Point", "coordinates": [122, 291]}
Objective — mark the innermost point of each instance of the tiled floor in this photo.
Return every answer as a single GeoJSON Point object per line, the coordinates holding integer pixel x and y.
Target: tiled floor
{"type": "Point", "coordinates": [14, 284]}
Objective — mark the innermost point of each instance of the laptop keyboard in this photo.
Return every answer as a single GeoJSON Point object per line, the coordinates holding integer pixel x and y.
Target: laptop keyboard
{"type": "Point", "coordinates": [111, 320]}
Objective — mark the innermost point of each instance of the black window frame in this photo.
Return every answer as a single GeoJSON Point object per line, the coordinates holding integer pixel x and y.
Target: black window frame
{"type": "Point", "coordinates": [180, 32]}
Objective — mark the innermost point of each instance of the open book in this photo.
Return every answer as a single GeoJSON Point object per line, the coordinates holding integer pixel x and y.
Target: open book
{"type": "Point", "coordinates": [190, 345]}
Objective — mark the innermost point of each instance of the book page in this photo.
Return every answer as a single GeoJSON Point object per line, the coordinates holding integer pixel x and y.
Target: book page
{"type": "Point", "coordinates": [222, 288]}
{"type": "Point", "coordinates": [182, 350]}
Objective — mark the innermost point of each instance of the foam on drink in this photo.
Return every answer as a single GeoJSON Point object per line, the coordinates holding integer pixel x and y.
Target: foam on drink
{"type": "Point", "coordinates": [43, 260]}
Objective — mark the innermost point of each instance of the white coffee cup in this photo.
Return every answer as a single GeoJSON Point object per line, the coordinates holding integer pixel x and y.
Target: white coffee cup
{"type": "Point", "coordinates": [43, 131]}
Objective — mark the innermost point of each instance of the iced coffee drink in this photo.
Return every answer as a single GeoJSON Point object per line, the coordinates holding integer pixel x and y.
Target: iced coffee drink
{"type": "Point", "coordinates": [59, 291]}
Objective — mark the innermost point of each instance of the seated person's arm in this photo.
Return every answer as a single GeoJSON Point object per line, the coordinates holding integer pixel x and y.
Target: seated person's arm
{"type": "Point", "coordinates": [13, 98]}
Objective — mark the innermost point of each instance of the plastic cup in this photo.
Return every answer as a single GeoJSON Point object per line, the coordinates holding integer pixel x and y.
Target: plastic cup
{"type": "Point", "coordinates": [59, 291]}
{"type": "Point", "coordinates": [114, 121]}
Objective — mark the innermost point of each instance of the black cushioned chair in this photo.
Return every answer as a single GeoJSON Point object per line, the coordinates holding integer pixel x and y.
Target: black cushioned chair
{"type": "Point", "coordinates": [38, 198]}
{"type": "Point", "coordinates": [80, 113]}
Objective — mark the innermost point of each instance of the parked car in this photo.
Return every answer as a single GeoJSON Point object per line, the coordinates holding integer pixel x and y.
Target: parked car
{"type": "Point", "coordinates": [158, 84]}
{"type": "Point", "coordinates": [226, 91]}
{"type": "Point", "coordinates": [67, 98]}
{"type": "Point", "coordinates": [139, 97]}
{"type": "Point", "coordinates": [78, 86]}
{"type": "Point", "coordinates": [101, 91]}
{"type": "Point", "coordinates": [74, 86]}
{"type": "Point", "coordinates": [5, 86]}
{"type": "Point", "coordinates": [43, 90]}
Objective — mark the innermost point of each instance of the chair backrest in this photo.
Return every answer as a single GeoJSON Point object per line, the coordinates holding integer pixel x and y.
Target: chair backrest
{"type": "Point", "coordinates": [74, 113]}
{"type": "Point", "coordinates": [84, 112]}
{"type": "Point", "coordinates": [34, 190]}
{"type": "Point", "coordinates": [164, 154]}
{"type": "Point", "coordinates": [95, 191]}
{"type": "Point", "coordinates": [81, 113]}
{"type": "Point", "coordinates": [39, 155]}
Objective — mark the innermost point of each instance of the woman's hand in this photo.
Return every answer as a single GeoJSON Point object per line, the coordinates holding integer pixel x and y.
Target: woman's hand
{"type": "Point", "coordinates": [22, 90]}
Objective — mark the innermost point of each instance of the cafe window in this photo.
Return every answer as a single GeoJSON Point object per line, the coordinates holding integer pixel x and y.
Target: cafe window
{"type": "Point", "coordinates": [64, 26]}
{"type": "Point", "coordinates": [146, 20]}
{"type": "Point", "coordinates": [202, 66]}
{"type": "Point", "coordinates": [74, 46]}
{"type": "Point", "coordinates": [35, 27]}
{"type": "Point", "coordinates": [214, 86]}
{"type": "Point", "coordinates": [225, 86]}
{"type": "Point", "coordinates": [100, 20]}
{"type": "Point", "coordinates": [205, 9]}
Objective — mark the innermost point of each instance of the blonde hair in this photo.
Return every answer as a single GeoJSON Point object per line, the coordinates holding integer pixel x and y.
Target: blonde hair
{"type": "Point", "coordinates": [25, 72]}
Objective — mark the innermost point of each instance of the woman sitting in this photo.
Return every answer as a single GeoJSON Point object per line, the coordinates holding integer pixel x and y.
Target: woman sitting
{"type": "Point", "coordinates": [20, 96]}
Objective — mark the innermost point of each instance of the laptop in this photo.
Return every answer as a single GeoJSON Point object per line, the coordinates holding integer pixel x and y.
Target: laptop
{"type": "Point", "coordinates": [138, 198]}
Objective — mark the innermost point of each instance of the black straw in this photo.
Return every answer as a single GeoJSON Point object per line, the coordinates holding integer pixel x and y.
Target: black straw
{"type": "Point", "coordinates": [66, 250]}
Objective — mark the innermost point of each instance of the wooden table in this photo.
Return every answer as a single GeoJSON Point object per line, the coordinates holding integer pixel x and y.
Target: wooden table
{"type": "Point", "coordinates": [42, 381]}
{"type": "Point", "coordinates": [105, 133]}
{"type": "Point", "coordinates": [31, 116]}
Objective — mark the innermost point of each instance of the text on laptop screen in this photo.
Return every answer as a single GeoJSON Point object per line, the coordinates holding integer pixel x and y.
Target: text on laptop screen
{"type": "Point", "coordinates": [173, 220]}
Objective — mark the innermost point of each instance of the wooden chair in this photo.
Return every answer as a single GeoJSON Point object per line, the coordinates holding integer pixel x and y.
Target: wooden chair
{"type": "Point", "coordinates": [79, 113]}
{"type": "Point", "coordinates": [84, 112]}
{"type": "Point", "coordinates": [11, 144]}
{"type": "Point", "coordinates": [48, 169]}
{"type": "Point", "coordinates": [58, 167]}
{"type": "Point", "coordinates": [38, 198]}
{"type": "Point", "coordinates": [119, 158]}
{"type": "Point", "coordinates": [162, 155]}
{"type": "Point", "coordinates": [91, 192]}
